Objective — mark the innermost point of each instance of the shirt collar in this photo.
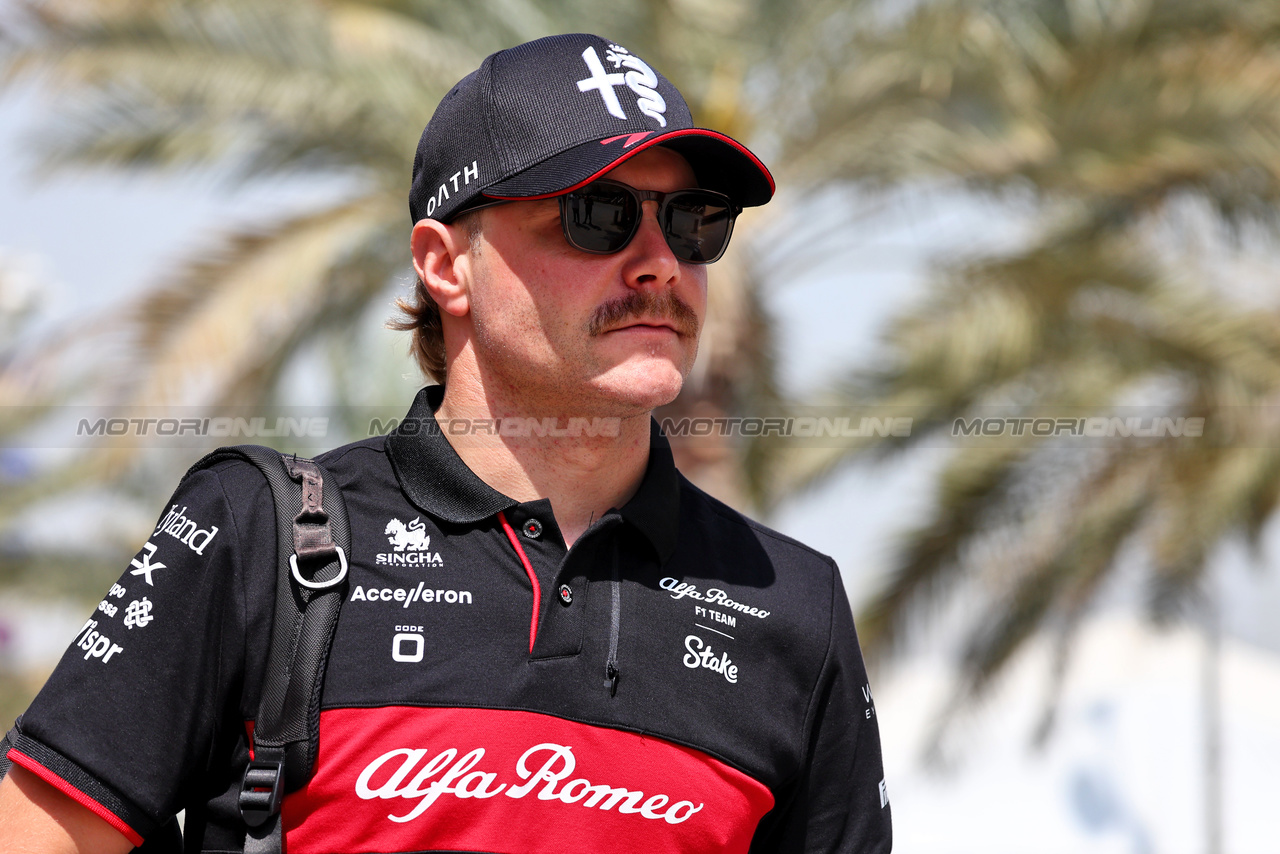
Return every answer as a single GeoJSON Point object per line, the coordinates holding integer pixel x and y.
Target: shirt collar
{"type": "Point", "coordinates": [438, 482]}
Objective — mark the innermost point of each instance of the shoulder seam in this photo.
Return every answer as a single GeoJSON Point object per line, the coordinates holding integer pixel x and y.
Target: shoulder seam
{"type": "Point", "coordinates": [810, 708]}
{"type": "Point", "coordinates": [341, 451]}
{"type": "Point", "coordinates": [238, 558]}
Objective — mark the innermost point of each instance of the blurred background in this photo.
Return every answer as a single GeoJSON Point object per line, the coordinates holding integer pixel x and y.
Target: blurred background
{"type": "Point", "coordinates": [1017, 297]}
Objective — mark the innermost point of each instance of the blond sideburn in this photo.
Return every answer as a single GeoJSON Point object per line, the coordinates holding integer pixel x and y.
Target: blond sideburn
{"type": "Point", "coordinates": [420, 315]}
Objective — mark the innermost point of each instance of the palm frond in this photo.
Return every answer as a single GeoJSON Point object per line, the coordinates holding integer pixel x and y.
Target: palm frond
{"type": "Point", "coordinates": [970, 490]}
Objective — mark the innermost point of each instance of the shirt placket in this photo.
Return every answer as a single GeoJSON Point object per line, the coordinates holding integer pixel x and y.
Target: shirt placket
{"type": "Point", "coordinates": [562, 575]}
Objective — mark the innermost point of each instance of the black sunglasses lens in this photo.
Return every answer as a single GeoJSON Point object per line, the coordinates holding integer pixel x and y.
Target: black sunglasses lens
{"type": "Point", "coordinates": [603, 217]}
{"type": "Point", "coordinates": [697, 226]}
{"type": "Point", "coordinates": [600, 218]}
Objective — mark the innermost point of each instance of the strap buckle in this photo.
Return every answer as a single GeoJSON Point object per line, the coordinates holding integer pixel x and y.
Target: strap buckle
{"type": "Point", "coordinates": [263, 787]}
{"type": "Point", "coordinates": [320, 585]}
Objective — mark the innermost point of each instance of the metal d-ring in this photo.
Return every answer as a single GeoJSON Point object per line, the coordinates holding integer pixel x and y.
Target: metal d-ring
{"type": "Point", "coordinates": [319, 585]}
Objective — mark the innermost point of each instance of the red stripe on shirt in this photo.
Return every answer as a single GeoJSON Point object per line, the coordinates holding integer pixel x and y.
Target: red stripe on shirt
{"type": "Point", "coordinates": [403, 778]}
{"type": "Point", "coordinates": [533, 578]}
{"type": "Point", "coordinates": [20, 758]}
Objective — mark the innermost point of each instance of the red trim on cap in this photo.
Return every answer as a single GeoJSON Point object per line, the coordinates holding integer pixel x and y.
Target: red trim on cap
{"type": "Point", "coordinates": [632, 153]}
{"type": "Point", "coordinates": [533, 578]}
{"type": "Point", "coordinates": [631, 138]}
{"type": "Point", "coordinates": [19, 758]}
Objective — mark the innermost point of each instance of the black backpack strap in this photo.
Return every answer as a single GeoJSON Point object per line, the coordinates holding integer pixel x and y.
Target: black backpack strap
{"type": "Point", "coordinates": [312, 541]}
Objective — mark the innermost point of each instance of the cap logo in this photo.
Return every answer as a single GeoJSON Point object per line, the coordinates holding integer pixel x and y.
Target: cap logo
{"type": "Point", "coordinates": [640, 79]}
{"type": "Point", "coordinates": [631, 138]}
{"type": "Point", "coordinates": [441, 195]}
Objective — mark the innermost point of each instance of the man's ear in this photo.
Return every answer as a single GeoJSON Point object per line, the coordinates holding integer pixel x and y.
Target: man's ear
{"type": "Point", "coordinates": [443, 264]}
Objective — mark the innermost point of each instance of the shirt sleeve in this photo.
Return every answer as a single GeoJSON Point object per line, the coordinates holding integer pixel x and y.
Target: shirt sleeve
{"type": "Point", "coordinates": [840, 802]}
{"type": "Point", "coordinates": [126, 723]}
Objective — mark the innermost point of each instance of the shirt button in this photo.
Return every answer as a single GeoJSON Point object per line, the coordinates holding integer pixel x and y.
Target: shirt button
{"type": "Point", "coordinates": [533, 529]}
{"type": "Point", "coordinates": [566, 594]}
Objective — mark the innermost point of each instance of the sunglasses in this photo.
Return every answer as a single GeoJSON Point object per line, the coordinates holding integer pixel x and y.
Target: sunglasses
{"type": "Point", "coordinates": [603, 217]}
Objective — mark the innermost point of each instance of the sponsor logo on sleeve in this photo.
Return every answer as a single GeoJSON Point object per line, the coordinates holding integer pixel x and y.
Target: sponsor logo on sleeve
{"type": "Point", "coordinates": [96, 644]}
{"type": "Point", "coordinates": [145, 567]}
{"type": "Point", "coordinates": [186, 531]}
{"type": "Point", "coordinates": [138, 613]}
{"type": "Point", "coordinates": [107, 607]}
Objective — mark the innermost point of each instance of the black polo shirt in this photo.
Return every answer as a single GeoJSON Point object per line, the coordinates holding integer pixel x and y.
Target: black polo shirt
{"type": "Point", "coordinates": [681, 679]}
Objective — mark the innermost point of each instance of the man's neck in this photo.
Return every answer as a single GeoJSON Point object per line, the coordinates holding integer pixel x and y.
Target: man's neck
{"type": "Point", "coordinates": [583, 475]}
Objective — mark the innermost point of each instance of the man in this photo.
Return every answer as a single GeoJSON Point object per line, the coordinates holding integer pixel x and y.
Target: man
{"type": "Point", "coordinates": [550, 640]}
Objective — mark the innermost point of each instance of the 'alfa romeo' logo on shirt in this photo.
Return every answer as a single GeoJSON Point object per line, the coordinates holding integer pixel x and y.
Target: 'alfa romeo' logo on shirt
{"type": "Point", "coordinates": [392, 775]}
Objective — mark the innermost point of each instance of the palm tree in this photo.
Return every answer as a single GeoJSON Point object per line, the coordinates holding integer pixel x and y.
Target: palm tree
{"type": "Point", "coordinates": [332, 90]}
{"type": "Point", "coordinates": [1142, 143]}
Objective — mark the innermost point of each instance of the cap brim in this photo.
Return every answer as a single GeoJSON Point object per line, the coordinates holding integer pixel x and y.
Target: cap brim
{"type": "Point", "coordinates": [720, 163]}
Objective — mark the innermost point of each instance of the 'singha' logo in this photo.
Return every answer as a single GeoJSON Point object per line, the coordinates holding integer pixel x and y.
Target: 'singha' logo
{"type": "Point", "coordinates": [411, 537]}
{"type": "Point", "coordinates": [409, 545]}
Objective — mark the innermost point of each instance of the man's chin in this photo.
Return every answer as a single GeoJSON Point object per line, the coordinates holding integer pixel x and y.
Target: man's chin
{"type": "Point", "coordinates": [641, 387]}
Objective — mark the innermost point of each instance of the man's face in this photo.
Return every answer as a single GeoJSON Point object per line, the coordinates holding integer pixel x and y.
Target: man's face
{"type": "Point", "coordinates": [566, 331]}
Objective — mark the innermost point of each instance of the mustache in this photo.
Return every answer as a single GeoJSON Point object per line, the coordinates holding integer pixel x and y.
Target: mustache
{"type": "Point", "coordinates": [646, 305]}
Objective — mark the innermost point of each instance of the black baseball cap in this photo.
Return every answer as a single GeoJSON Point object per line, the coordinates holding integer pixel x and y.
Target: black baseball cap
{"type": "Point", "coordinates": [548, 116]}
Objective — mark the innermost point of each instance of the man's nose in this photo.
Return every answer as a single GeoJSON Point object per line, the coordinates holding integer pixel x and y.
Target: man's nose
{"type": "Point", "coordinates": [652, 262]}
